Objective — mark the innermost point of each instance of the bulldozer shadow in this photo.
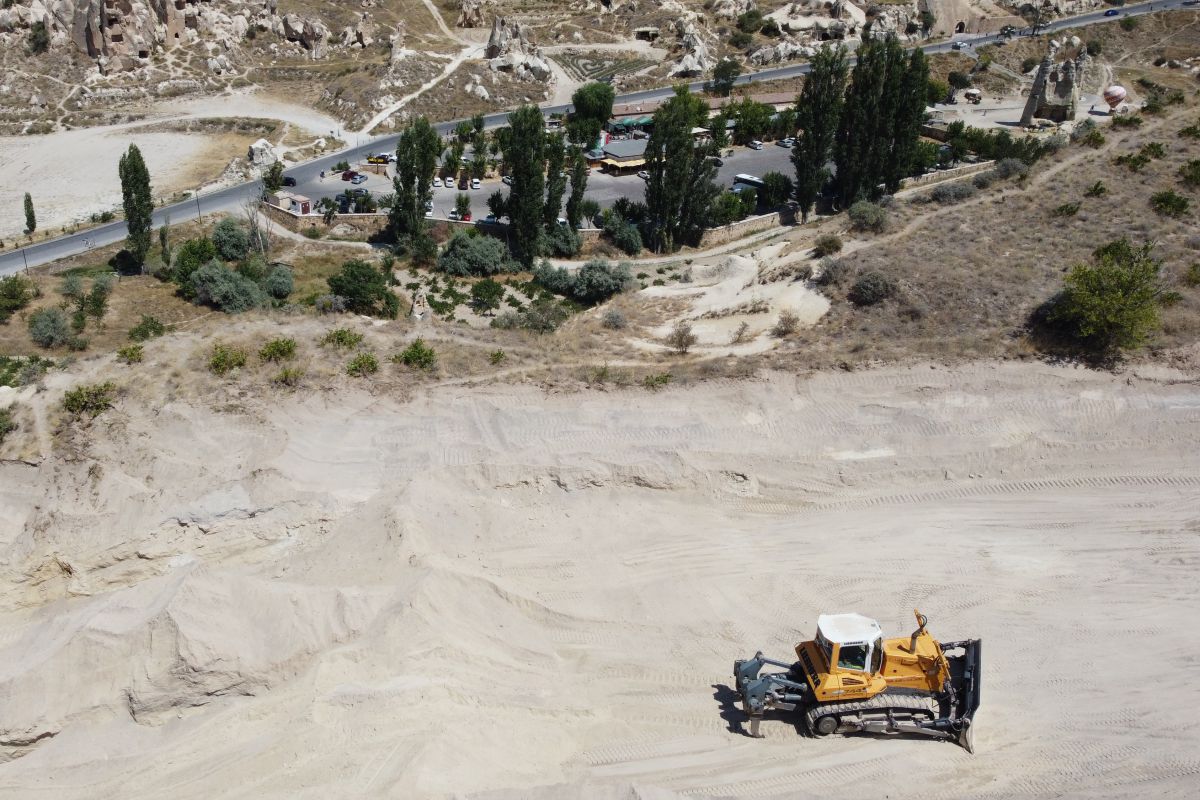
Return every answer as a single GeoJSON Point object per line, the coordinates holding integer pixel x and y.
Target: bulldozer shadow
{"type": "Point", "coordinates": [728, 700]}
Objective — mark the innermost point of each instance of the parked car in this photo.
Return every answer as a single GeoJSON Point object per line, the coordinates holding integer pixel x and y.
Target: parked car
{"type": "Point", "coordinates": [1112, 12]}
{"type": "Point", "coordinates": [463, 184]}
{"type": "Point", "coordinates": [437, 183]}
{"type": "Point", "coordinates": [1191, 2]}
{"type": "Point", "coordinates": [466, 217]}
{"type": "Point", "coordinates": [453, 214]}
{"type": "Point", "coordinates": [289, 181]}
{"type": "Point", "coordinates": [475, 184]}
{"type": "Point", "coordinates": [789, 142]}
{"type": "Point", "coordinates": [429, 205]}
{"type": "Point", "coordinates": [357, 193]}
{"type": "Point", "coordinates": [507, 180]}
{"type": "Point", "coordinates": [357, 179]}
{"type": "Point", "coordinates": [956, 46]}
{"type": "Point", "coordinates": [490, 218]}
{"type": "Point", "coordinates": [644, 175]}
{"type": "Point", "coordinates": [756, 145]}
{"type": "Point", "coordinates": [428, 213]}
{"type": "Point", "coordinates": [348, 174]}
{"type": "Point", "coordinates": [377, 158]}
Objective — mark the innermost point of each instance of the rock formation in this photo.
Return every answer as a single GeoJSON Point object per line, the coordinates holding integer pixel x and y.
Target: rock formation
{"type": "Point", "coordinates": [786, 50]}
{"type": "Point", "coordinates": [1055, 92]}
{"type": "Point", "coordinates": [470, 14]}
{"type": "Point", "coordinates": [696, 59]}
{"type": "Point", "coordinates": [509, 49]}
{"type": "Point", "coordinates": [731, 9]}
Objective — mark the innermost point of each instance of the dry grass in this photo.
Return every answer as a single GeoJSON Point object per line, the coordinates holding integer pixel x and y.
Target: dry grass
{"type": "Point", "coordinates": [970, 275]}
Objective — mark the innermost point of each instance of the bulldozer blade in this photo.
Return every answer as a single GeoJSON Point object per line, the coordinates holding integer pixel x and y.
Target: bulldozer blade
{"type": "Point", "coordinates": [966, 737]}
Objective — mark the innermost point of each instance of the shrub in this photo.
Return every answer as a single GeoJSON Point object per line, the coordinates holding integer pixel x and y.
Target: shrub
{"type": "Point", "coordinates": [959, 80]}
{"type": "Point", "coordinates": [7, 425]}
{"type": "Point", "coordinates": [312, 232]}
{"type": "Point", "coordinates": [417, 355]}
{"type": "Point", "coordinates": [597, 281]}
{"type": "Point", "coordinates": [362, 365]}
{"type": "Point", "coordinates": [786, 324]}
{"type": "Point", "coordinates": [365, 289]}
{"type": "Point", "coordinates": [1190, 132]}
{"type": "Point", "coordinates": [614, 320]}
{"type": "Point", "coordinates": [497, 357]}
{"type": "Point", "coordinates": [1097, 189]}
{"type": "Point", "coordinates": [131, 354]}
{"type": "Point", "coordinates": [681, 337]}
{"type": "Point", "coordinates": [870, 289]}
{"type": "Point", "coordinates": [330, 304]}
{"type": "Point", "coordinates": [1113, 302]}
{"type": "Point", "coordinates": [72, 286]}
{"type": "Point", "coordinates": [1066, 210]}
{"type": "Point", "coordinates": [1029, 64]}
{"type": "Point", "coordinates": [217, 285]}
{"type": "Point", "coordinates": [148, 328]}
{"type": "Point", "coordinates": [834, 272]}
{"type": "Point", "coordinates": [48, 327]}
{"type": "Point", "coordinates": [289, 376]}
{"type": "Point", "coordinates": [279, 283]}
{"type": "Point", "coordinates": [231, 239]}
{"type": "Point", "coordinates": [77, 344]}
{"type": "Point", "coordinates": [1189, 173]}
{"type": "Point", "coordinates": [224, 359]}
{"type": "Point", "coordinates": [740, 40]}
{"type": "Point", "coordinates": [16, 292]}
{"type": "Point", "coordinates": [627, 237]}
{"type": "Point", "coordinates": [543, 315]}
{"type": "Point", "coordinates": [1192, 276]}
{"type": "Point", "coordinates": [562, 242]}
{"type": "Point", "coordinates": [951, 192]}
{"type": "Point", "coordinates": [1094, 47]}
{"type": "Point", "coordinates": [867, 216]}
{"type": "Point", "coordinates": [1129, 23]}
{"type": "Point", "coordinates": [1170, 203]}
{"type": "Point", "coordinates": [341, 166]}
{"type": "Point", "coordinates": [1093, 138]}
{"type": "Point", "coordinates": [750, 21]}
{"type": "Point", "coordinates": [191, 255]}
{"type": "Point", "coordinates": [1011, 168]}
{"type": "Point", "coordinates": [478, 256]}
{"type": "Point", "coordinates": [827, 245]}
{"type": "Point", "coordinates": [342, 339]}
{"type": "Point", "coordinates": [486, 295]}
{"type": "Point", "coordinates": [1126, 121]}
{"type": "Point", "coordinates": [984, 180]}
{"type": "Point", "coordinates": [278, 350]}
{"type": "Point", "coordinates": [655, 382]}
{"type": "Point", "coordinates": [92, 399]}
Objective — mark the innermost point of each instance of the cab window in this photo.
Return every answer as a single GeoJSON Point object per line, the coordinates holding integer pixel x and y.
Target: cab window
{"type": "Point", "coordinates": [826, 648]}
{"type": "Point", "coordinates": [853, 656]}
{"type": "Point", "coordinates": [877, 656]}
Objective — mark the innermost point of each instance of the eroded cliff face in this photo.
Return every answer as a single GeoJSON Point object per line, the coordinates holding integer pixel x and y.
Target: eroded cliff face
{"type": "Point", "coordinates": [125, 34]}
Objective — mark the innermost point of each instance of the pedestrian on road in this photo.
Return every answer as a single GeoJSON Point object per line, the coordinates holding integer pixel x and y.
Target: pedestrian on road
{"type": "Point", "coordinates": [322, 174]}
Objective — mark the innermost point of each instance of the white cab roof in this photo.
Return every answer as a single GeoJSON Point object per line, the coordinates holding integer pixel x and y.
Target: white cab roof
{"type": "Point", "coordinates": [843, 628]}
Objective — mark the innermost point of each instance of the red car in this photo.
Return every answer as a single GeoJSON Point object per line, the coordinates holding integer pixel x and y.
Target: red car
{"type": "Point", "coordinates": [349, 175]}
{"type": "Point", "coordinates": [466, 217]}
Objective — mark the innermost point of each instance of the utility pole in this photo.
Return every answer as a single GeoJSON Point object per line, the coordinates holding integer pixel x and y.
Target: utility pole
{"type": "Point", "coordinates": [25, 258]}
{"type": "Point", "coordinates": [199, 213]}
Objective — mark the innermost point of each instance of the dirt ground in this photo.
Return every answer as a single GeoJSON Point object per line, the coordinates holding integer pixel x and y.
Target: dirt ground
{"type": "Point", "coordinates": [270, 594]}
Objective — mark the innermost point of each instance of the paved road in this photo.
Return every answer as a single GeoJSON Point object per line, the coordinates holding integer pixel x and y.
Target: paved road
{"type": "Point", "coordinates": [233, 197]}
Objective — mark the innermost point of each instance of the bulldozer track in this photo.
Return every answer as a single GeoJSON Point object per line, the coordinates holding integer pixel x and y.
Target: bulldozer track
{"type": "Point", "coordinates": [910, 704]}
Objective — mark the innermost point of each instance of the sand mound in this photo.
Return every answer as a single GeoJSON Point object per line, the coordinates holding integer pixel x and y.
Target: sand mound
{"type": "Point", "coordinates": [501, 593]}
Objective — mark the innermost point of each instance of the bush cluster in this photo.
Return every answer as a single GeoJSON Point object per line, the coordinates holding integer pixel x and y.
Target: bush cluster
{"type": "Point", "coordinates": [93, 399]}
{"type": "Point", "coordinates": [342, 339]}
{"type": "Point", "coordinates": [867, 216]}
{"type": "Point", "coordinates": [362, 365]}
{"type": "Point", "coordinates": [543, 315]}
{"type": "Point", "coordinates": [225, 359]}
{"type": "Point", "coordinates": [48, 327]}
{"type": "Point", "coordinates": [475, 256]}
{"type": "Point", "coordinates": [594, 282]}
{"type": "Point", "coordinates": [148, 328]}
{"type": "Point", "coordinates": [131, 354]}
{"type": "Point", "coordinates": [870, 289]}
{"type": "Point", "coordinates": [16, 292]}
{"type": "Point", "coordinates": [827, 245]}
{"type": "Point", "coordinates": [417, 355]}
{"type": "Point", "coordinates": [228, 290]}
{"type": "Point", "coordinates": [951, 192]}
{"type": "Point", "coordinates": [278, 350]}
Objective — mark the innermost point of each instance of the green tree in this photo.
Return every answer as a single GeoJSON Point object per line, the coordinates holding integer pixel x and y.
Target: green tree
{"type": "Point", "coordinates": [30, 217]}
{"type": "Point", "coordinates": [750, 21]}
{"type": "Point", "coordinates": [1112, 303]}
{"type": "Point", "coordinates": [486, 295]}
{"type": "Point", "coordinates": [777, 190]}
{"type": "Point", "coordinates": [39, 38]}
{"type": "Point", "coordinates": [725, 75]}
{"type": "Point", "coordinates": [524, 153]}
{"type": "Point", "coordinates": [680, 187]}
{"type": "Point", "coordinates": [556, 179]}
{"type": "Point", "coordinates": [273, 179]}
{"type": "Point", "coordinates": [593, 103]}
{"type": "Point", "coordinates": [416, 161]}
{"type": "Point", "coordinates": [784, 124]}
{"type": "Point", "coordinates": [497, 203]}
{"type": "Point", "coordinates": [753, 119]}
{"type": "Point", "coordinates": [364, 288]}
{"type": "Point", "coordinates": [137, 202]}
{"type": "Point", "coordinates": [579, 175]}
{"type": "Point", "coordinates": [164, 241]}
{"type": "Point", "coordinates": [880, 120]}
{"type": "Point", "coordinates": [818, 110]}
{"type": "Point", "coordinates": [477, 123]}
{"type": "Point", "coordinates": [462, 204]}
{"type": "Point", "coordinates": [718, 129]}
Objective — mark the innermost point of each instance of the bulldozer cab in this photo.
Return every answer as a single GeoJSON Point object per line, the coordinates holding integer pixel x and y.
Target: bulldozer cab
{"type": "Point", "coordinates": [850, 642]}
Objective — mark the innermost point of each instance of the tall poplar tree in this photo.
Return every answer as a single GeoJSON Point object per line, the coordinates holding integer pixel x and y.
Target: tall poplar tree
{"type": "Point", "coordinates": [524, 155]}
{"type": "Point", "coordinates": [137, 202]}
{"type": "Point", "coordinates": [818, 110]}
{"type": "Point", "coordinates": [556, 181]}
{"type": "Point", "coordinates": [680, 188]}
{"type": "Point", "coordinates": [579, 176]}
{"type": "Point", "coordinates": [30, 217]}
{"type": "Point", "coordinates": [910, 115]}
{"type": "Point", "coordinates": [416, 160]}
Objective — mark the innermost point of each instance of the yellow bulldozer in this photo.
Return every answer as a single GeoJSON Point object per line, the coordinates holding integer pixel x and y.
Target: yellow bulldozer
{"type": "Point", "coordinates": [849, 678]}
